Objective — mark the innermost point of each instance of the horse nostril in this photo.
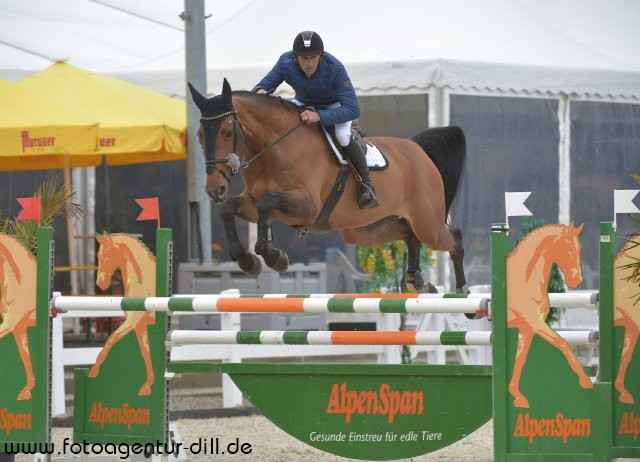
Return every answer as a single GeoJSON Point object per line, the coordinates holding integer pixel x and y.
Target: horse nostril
{"type": "Point", "coordinates": [222, 191]}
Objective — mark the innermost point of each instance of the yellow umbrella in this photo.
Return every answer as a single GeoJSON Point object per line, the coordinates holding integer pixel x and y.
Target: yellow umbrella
{"type": "Point", "coordinates": [37, 134]}
{"type": "Point", "coordinates": [137, 125]}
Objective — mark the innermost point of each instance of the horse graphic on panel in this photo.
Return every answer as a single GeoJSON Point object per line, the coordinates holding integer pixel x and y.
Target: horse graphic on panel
{"type": "Point", "coordinates": [528, 270]}
{"type": "Point", "coordinates": [18, 270]}
{"type": "Point", "coordinates": [626, 311]}
{"type": "Point", "coordinates": [138, 268]}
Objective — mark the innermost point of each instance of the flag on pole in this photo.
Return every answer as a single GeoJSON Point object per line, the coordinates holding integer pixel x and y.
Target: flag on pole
{"type": "Point", "coordinates": [623, 202]}
{"type": "Point", "coordinates": [514, 205]}
{"type": "Point", "coordinates": [150, 209]}
{"type": "Point", "coordinates": [30, 208]}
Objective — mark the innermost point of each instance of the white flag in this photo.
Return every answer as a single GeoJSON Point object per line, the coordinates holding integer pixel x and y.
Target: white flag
{"type": "Point", "coordinates": [623, 202]}
{"type": "Point", "coordinates": [514, 205]}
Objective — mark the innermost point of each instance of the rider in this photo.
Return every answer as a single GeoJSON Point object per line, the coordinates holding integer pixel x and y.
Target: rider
{"type": "Point", "coordinates": [321, 81]}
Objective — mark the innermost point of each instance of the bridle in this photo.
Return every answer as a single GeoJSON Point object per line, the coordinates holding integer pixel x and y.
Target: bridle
{"type": "Point", "coordinates": [232, 160]}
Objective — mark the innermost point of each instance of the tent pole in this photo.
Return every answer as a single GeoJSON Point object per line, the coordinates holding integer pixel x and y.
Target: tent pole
{"type": "Point", "coordinates": [199, 222]}
{"type": "Point", "coordinates": [73, 275]}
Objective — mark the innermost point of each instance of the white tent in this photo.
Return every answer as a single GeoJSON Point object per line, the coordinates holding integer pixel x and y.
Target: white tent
{"type": "Point", "coordinates": [582, 47]}
{"type": "Point", "coordinates": [547, 91]}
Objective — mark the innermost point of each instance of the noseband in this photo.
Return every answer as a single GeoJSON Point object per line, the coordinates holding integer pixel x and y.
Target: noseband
{"type": "Point", "coordinates": [232, 160]}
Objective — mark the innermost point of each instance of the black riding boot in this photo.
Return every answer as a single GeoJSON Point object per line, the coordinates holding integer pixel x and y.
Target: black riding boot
{"type": "Point", "coordinates": [366, 191]}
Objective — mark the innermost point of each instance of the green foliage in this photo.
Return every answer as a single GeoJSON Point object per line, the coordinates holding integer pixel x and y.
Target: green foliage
{"type": "Point", "coordinates": [556, 281]}
{"type": "Point", "coordinates": [55, 201]}
{"type": "Point", "coordinates": [385, 265]}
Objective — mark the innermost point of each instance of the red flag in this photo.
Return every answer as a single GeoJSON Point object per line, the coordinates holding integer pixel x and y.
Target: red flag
{"type": "Point", "coordinates": [150, 209]}
{"type": "Point", "coordinates": [30, 208]}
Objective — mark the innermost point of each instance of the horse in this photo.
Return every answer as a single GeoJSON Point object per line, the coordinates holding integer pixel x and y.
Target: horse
{"type": "Point", "coordinates": [138, 268]}
{"type": "Point", "coordinates": [18, 270]}
{"type": "Point", "coordinates": [626, 311]}
{"type": "Point", "coordinates": [528, 271]}
{"type": "Point", "coordinates": [290, 173]}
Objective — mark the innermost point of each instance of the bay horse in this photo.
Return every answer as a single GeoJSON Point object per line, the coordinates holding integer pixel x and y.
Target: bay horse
{"type": "Point", "coordinates": [137, 264]}
{"type": "Point", "coordinates": [626, 310]}
{"type": "Point", "coordinates": [289, 174]}
{"type": "Point", "coordinates": [528, 271]}
{"type": "Point", "coordinates": [18, 269]}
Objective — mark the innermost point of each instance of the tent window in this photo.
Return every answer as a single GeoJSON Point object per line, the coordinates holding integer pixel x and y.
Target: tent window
{"type": "Point", "coordinates": [512, 145]}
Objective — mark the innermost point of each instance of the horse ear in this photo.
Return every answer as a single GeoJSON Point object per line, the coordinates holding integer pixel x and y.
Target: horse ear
{"type": "Point", "coordinates": [575, 230]}
{"type": "Point", "coordinates": [198, 99]}
{"type": "Point", "coordinates": [226, 92]}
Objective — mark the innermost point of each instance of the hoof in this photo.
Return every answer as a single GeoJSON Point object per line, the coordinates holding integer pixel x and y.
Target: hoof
{"type": "Point", "coordinates": [24, 395]}
{"type": "Point", "coordinates": [250, 265]}
{"type": "Point", "coordinates": [521, 402]}
{"type": "Point", "coordinates": [281, 263]}
{"type": "Point", "coordinates": [412, 282]}
{"type": "Point", "coordinates": [429, 288]}
{"type": "Point", "coordinates": [585, 382]}
{"type": "Point", "coordinates": [145, 390]}
{"type": "Point", "coordinates": [626, 398]}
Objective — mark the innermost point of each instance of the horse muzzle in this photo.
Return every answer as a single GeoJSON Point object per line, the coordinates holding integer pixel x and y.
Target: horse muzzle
{"type": "Point", "coordinates": [217, 194]}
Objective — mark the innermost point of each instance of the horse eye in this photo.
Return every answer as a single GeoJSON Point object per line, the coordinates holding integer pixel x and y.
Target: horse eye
{"type": "Point", "coordinates": [228, 133]}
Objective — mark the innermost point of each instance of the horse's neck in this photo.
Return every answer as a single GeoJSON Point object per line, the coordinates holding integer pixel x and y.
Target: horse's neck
{"type": "Point", "coordinates": [138, 273]}
{"type": "Point", "coordinates": [17, 268]}
{"type": "Point", "coordinates": [534, 257]}
{"type": "Point", "coordinates": [263, 122]}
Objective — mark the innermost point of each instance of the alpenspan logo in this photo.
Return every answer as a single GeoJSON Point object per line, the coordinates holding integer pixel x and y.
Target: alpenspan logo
{"type": "Point", "coordinates": [383, 401]}
{"type": "Point", "coordinates": [124, 415]}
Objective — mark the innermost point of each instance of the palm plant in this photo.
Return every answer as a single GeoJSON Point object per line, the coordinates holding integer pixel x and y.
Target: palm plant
{"type": "Point", "coordinates": [55, 201]}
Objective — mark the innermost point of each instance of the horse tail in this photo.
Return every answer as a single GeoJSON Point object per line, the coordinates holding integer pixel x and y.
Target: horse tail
{"type": "Point", "coordinates": [447, 148]}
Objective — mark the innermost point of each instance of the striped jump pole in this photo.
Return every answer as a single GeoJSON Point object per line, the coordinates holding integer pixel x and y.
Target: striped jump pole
{"type": "Point", "coordinates": [481, 338]}
{"type": "Point", "coordinates": [573, 299]}
{"type": "Point", "coordinates": [229, 304]}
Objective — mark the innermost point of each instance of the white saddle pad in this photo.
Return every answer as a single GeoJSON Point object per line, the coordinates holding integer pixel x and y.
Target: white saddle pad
{"type": "Point", "coordinates": [375, 159]}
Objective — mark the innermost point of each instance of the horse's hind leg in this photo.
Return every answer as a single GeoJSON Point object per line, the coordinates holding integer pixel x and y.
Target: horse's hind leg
{"type": "Point", "coordinates": [273, 257]}
{"type": "Point", "coordinates": [457, 255]}
{"type": "Point", "coordinates": [142, 335]}
{"type": "Point", "coordinates": [20, 334]}
{"type": "Point", "coordinates": [629, 345]}
{"type": "Point", "coordinates": [522, 351]}
{"type": "Point", "coordinates": [247, 262]}
{"type": "Point", "coordinates": [413, 280]}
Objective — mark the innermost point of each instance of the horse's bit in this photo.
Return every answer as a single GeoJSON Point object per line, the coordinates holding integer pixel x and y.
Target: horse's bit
{"type": "Point", "coordinates": [232, 160]}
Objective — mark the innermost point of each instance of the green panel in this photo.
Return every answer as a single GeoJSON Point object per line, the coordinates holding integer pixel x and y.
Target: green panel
{"type": "Point", "coordinates": [115, 406]}
{"type": "Point", "coordinates": [560, 417]}
{"type": "Point", "coordinates": [372, 412]}
{"type": "Point", "coordinates": [26, 420]}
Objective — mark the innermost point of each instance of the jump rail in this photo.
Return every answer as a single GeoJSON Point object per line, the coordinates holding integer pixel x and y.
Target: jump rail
{"type": "Point", "coordinates": [198, 337]}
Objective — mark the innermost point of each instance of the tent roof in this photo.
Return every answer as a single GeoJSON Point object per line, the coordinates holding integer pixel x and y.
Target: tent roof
{"type": "Point", "coordinates": [583, 47]}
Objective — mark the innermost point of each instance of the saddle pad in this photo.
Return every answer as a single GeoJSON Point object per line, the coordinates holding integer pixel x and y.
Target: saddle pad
{"type": "Point", "coordinates": [375, 159]}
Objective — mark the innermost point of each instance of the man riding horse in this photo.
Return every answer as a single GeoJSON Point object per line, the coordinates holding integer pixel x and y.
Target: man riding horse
{"type": "Point", "coordinates": [320, 81]}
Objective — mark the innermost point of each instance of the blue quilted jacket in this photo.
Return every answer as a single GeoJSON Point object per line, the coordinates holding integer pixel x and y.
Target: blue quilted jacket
{"type": "Point", "coordinates": [329, 84]}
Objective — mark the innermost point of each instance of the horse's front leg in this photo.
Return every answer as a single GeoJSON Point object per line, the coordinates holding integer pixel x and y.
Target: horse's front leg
{"type": "Point", "coordinates": [274, 258]}
{"type": "Point", "coordinates": [247, 261]}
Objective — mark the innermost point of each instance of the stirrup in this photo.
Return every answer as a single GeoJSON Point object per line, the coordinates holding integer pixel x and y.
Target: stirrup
{"type": "Point", "coordinates": [363, 202]}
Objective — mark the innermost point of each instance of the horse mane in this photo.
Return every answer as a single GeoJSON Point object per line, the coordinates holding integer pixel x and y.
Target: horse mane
{"type": "Point", "coordinates": [275, 101]}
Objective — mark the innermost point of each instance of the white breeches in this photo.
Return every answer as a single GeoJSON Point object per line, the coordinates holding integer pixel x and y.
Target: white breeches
{"type": "Point", "coordinates": [343, 131]}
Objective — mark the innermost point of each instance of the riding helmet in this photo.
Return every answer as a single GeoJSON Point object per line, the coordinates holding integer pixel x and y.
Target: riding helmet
{"type": "Point", "coordinates": [308, 43]}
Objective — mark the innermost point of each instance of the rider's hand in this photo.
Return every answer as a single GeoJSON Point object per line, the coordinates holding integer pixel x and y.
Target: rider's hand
{"type": "Point", "coordinates": [310, 117]}
{"type": "Point", "coordinates": [261, 91]}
